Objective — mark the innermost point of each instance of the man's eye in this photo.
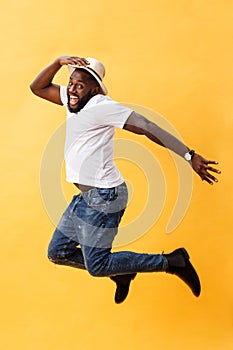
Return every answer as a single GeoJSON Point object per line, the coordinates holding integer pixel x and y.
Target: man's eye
{"type": "Point", "coordinates": [80, 86]}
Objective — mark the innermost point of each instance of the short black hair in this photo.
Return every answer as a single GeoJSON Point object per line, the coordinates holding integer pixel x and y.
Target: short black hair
{"type": "Point", "coordinates": [91, 77]}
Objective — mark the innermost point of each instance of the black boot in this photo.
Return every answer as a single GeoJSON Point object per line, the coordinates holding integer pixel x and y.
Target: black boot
{"type": "Point", "coordinates": [179, 265]}
{"type": "Point", "coordinates": [122, 286]}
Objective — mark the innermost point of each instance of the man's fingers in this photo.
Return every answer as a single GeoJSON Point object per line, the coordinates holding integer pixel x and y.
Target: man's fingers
{"type": "Point", "coordinates": [83, 61]}
{"type": "Point", "coordinates": [210, 162]}
{"type": "Point", "coordinates": [212, 178]}
{"type": "Point", "coordinates": [203, 168]}
{"type": "Point", "coordinates": [79, 61]}
{"type": "Point", "coordinates": [207, 167]}
{"type": "Point", "coordinates": [207, 180]}
{"type": "Point", "coordinates": [213, 169]}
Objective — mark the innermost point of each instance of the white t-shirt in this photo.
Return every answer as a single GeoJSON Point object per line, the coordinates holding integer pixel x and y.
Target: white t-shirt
{"type": "Point", "coordinates": [89, 141]}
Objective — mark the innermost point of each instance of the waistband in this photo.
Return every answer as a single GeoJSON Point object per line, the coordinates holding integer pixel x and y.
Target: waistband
{"type": "Point", "coordinates": [84, 188]}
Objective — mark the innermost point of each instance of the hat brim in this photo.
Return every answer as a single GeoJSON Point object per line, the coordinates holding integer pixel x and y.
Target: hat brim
{"type": "Point", "coordinates": [72, 68]}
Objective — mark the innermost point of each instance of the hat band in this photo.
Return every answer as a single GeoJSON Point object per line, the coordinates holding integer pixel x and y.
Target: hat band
{"type": "Point", "coordinates": [94, 72]}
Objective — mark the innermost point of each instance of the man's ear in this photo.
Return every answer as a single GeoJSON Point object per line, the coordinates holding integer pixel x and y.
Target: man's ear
{"type": "Point", "coordinates": [96, 90]}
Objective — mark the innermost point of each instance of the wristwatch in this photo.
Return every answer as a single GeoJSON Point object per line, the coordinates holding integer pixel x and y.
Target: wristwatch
{"type": "Point", "coordinates": [189, 155]}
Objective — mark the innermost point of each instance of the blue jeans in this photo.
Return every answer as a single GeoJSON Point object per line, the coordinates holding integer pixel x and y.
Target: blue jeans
{"type": "Point", "coordinates": [84, 236]}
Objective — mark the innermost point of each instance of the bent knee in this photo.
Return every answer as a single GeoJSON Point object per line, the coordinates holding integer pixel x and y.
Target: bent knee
{"type": "Point", "coordinates": [96, 269]}
{"type": "Point", "coordinates": [52, 259]}
{"type": "Point", "coordinates": [53, 256]}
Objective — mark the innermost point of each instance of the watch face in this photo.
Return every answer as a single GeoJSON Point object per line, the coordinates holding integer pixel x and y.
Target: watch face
{"type": "Point", "coordinates": [187, 156]}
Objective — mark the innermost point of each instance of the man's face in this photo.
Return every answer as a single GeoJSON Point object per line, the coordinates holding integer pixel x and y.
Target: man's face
{"type": "Point", "coordinates": [80, 89]}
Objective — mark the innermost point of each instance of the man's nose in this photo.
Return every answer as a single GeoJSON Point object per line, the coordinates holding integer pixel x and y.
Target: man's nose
{"type": "Point", "coordinates": [72, 88]}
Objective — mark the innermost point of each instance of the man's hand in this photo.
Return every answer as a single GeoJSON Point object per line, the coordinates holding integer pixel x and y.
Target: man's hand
{"type": "Point", "coordinates": [43, 86]}
{"type": "Point", "coordinates": [202, 168]}
{"type": "Point", "coordinates": [77, 61]}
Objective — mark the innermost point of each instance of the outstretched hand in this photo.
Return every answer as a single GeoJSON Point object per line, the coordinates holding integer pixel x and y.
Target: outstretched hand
{"type": "Point", "coordinates": [64, 60]}
{"type": "Point", "coordinates": [201, 166]}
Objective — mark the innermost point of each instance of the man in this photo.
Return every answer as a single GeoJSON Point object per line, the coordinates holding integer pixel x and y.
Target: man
{"type": "Point", "coordinates": [84, 235]}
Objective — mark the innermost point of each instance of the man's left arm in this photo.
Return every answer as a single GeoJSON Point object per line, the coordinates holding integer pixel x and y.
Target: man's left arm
{"type": "Point", "coordinates": [138, 124]}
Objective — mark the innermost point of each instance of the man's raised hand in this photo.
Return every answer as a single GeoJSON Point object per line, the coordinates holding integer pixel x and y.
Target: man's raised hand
{"type": "Point", "coordinates": [79, 61]}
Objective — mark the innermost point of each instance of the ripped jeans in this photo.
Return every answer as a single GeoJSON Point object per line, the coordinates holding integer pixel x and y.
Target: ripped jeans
{"type": "Point", "coordinates": [84, 236]}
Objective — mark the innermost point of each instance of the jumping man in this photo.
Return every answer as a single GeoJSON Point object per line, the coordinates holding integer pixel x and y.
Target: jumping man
{"type": "Point", "coordinates": [84, 235]}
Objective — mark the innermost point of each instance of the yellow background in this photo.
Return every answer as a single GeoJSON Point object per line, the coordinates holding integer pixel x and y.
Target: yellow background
{"type": "Point", "coordinates": [174, 57]}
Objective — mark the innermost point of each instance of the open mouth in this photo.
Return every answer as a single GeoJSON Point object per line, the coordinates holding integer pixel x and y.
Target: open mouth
{"type": "Point", "coordinates": [73, 100]}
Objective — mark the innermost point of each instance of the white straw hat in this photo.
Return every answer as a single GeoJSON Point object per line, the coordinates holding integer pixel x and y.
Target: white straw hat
{"type": "Point", "coordinates": [95, 68]}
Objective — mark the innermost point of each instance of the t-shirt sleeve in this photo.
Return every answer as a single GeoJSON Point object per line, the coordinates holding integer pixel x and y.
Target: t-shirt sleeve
{"type": "Point", "coordinates": [112, 113]}
{"type": "Point", "coordinates": [63, 95]}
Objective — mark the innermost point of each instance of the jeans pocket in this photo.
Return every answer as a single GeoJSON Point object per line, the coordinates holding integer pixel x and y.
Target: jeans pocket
{"type": "Point", "coordinates": [94, 199]}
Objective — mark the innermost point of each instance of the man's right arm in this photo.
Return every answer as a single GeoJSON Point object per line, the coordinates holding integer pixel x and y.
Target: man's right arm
{"type": "Point", "coordinates": [42, 85]}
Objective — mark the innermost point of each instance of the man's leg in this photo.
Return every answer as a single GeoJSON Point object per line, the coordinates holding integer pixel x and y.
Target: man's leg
{"type": "Point", "coordinates": [63, 250]}
{"type": "Point", "coordinates": [104, 263]}
{"type": "Point", "coordinates": [97, 218]}
{"type": "Point", "coordinates": [63, 246]}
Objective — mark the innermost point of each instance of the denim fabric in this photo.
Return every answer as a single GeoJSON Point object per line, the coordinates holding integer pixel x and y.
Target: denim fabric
{"type": "Point", "coordinates": [84, 236]}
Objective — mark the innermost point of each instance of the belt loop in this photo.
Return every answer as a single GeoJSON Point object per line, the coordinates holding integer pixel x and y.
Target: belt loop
{"type": "Point", "coordinates": [112, 193]}
{"type": "Point", "coordinates": [115, 192]}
